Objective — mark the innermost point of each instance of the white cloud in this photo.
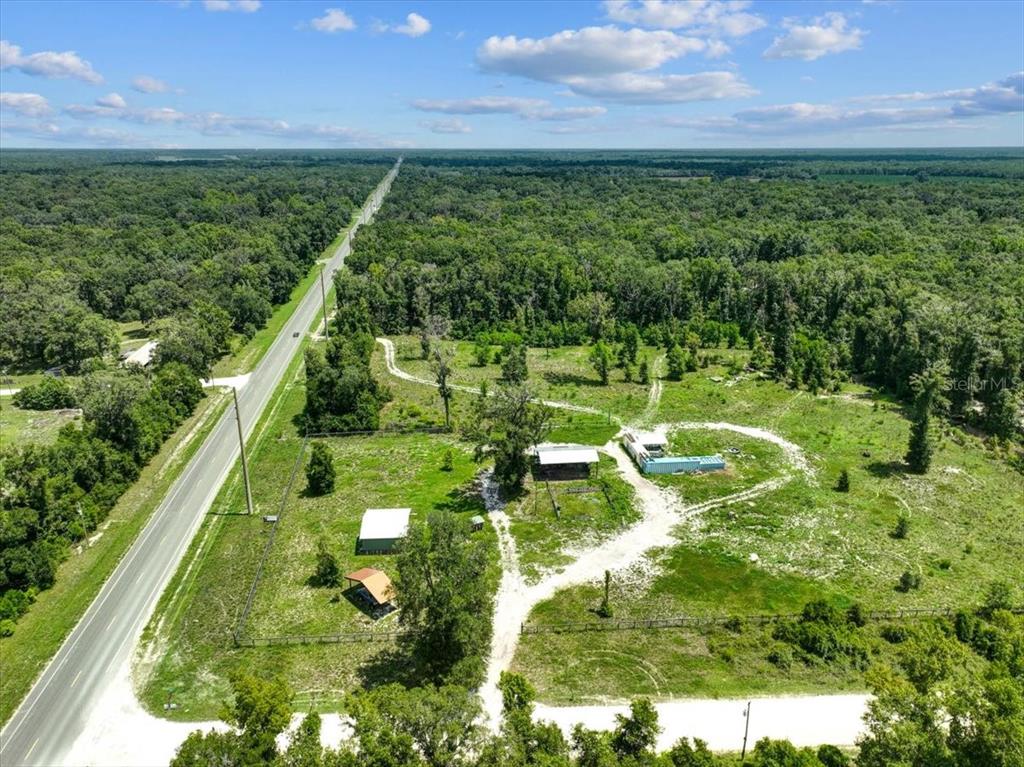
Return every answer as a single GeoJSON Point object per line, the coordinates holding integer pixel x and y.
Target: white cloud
{"type": "Point", "coordinates": [825, 35]}
{"type": "Point", "coordinates": [333, 20]}
{"type": "Point", "coordinates": [243, 6]}
{"type": "Point", "coordinates": [112, 100]}
{"type": "Point", "coordinates": [49, 64]}
{"type": "Point", "coordinates": [704, 16]}
{"type": "Point", "coordinates": [1003, 97]}
{"type": "Point", "coordinates": [414, 26]}
{"type": "Point", "coordinates": [528, 109]}
{"type": "Point", "coordinates": [614, 64]}
{"type": "Point", "coordinates": [664, 89]}
{"type": "Point", "coordinates": [479, 106]}
{"type": "Point", "coordinates": [451, 125]}
{"type": "Point", "coordinates": [587, 52]}
{"type": "Point", "coordinates": [147, 84]}
{"type": "Point", "coordinates": [88, 135]}
{"type": "Point", "coordinates": [26, 104]}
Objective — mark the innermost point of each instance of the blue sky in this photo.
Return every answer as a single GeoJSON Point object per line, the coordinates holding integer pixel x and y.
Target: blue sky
{"type": "Point", "coordinates": [245, 73]}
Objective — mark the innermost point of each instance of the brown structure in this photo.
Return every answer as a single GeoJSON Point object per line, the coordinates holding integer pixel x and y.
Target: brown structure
{"type": "Point", "coordinates": [373, 585]}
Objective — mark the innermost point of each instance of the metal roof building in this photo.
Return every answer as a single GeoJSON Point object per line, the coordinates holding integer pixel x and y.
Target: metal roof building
{"type": "Point", "coordinates": [381, 529]}
{"type": "Point", "coordinates": [564, 461]}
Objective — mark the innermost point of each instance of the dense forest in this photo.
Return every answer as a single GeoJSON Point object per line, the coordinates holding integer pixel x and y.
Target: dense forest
{"type": "Point", "coordinates": [199, 250]}
{"type": "Point", "coordinates": [871, 265]}
{"type": "Point", "coordinates": [87, 239]}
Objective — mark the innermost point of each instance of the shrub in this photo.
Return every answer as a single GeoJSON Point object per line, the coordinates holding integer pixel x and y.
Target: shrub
{"type": "Point", "coordinates": [449, 461]}
{"type": "Point", "coordinates": [893, 633]}
{"type": "Point", "coordinates": [49, 394]}
{"type": "Point", "coordinates": [830, 756]}
{"type": "Point", "coordinates": [902, 529]}
{"type": "Point", "coordinates": [843, 483]}
{"type": "Point", "coordinates": [855, 615]}
{"type": "Point", "coordinates": [327, 571]}
{"type": "Point", "coordinates": [998, 596]}
{"type": "Point", "coordinates": [781, 658]}
{"type": "Point", "coordinates": [735, 625]}
{"type": "Point", "coordinates": [908, 582]}
{"type": "Point", "coordinates": [320, 470]}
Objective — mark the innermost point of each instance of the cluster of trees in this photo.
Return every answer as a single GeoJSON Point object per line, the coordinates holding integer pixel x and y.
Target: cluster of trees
{"type": "Point", "coordinates": [953, 698]}
{"type": "Point", "coordinates": [85, 243]}
{"type": "Point", "coordinates": [823, 280]}
{"type": "Point", "coordinates": [55, 495]}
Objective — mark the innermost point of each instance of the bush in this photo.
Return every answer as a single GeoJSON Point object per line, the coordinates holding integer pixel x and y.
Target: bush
{"type": "Point", "coordinates": [327, 571]}
{"type": "Point", "coordinates": [320, 470]}
{"type": "Point", "coordinates": [855, 615]}
{"type": "Point", "coordinates": [448, 463]}
{"type": "Point", "coordinates": [893, 633]}
{"type": "Point", "coordinates": [830, 756]}
{"type": "Point", "coordinates": [908, 582]}
{"type": "Point", "coordinates": [781, 658]}
{"type": "Point", "coordinates": [843, 483]}
{"type": "Point", "coordinates": [902, 529]}
{"type": "Point", "coordinates": [49, 394]}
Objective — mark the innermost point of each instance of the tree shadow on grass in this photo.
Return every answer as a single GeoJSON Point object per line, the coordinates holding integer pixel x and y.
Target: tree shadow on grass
{"type": "Point", "coordinates": [397, 664]}
{"type": "Point", "coordinates": [462, 500]}
{"type": "Point", "coordinates": [886, 469]}
{"type": "Point", "coordinates": [556, 378]}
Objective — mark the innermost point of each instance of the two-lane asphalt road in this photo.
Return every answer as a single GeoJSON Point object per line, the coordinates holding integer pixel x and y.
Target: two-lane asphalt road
{"type": "Point", "coordinates": [53, 714]}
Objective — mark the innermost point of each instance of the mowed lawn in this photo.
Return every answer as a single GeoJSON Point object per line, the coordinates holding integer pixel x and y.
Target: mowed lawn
{"type": "Point", "coordinates": [375, 471]}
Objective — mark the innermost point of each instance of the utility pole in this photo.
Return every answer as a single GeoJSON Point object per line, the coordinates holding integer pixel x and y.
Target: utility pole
{"type": "Point", "coordinates": [323, 298]}
{"type": "Point", "coordinates": [746, 731]}
{"type": "Point", "coordinates": [241, 447]}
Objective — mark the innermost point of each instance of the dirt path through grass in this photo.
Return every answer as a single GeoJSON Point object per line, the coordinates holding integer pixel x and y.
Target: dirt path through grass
{"type": "Point", "coordinates": [662, 508]}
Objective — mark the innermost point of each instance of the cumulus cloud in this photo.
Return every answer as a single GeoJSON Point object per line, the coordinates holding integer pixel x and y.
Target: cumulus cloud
{"type": "Point", "coordinates": [1006, 95]}
{"type": "Point", "coordinates": [1003, 97]}
{"type": "Point", "coordinates": [333, 20]}
{"type": "Point", "coordinates": [613, 64]}
{"type": "Point", "coordinates": [451, 125]}
{"type": "Point", "coordinates": [50, 64]}
{"type": "Point", "coordinates": [112, 100]}
{"type": "Point", "coordinates": [587, 52]}
{"type": "Point", "coordinates": [25, 104]}
{"type": "Point", "coordinates": [147, 84]}
{"type": "Point", "coordinates": [414, 26]}
{"type": "Point", "coordinates": [704, 16]}
{"type": "Point", "coordinates": [242, 6]}
{"type": "Point", "coordinates": [528, 109]}
{"type": "Point", "coordinates": [825, 35]}
{"type": "Point", "coordinates": [643, 88]}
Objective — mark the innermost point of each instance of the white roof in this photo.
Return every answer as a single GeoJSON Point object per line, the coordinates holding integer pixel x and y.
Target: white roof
{"type": "Point", "coordinates": [142, 355]}
{"type": "Point", "coordinates": [651, 438]}
{"type": "Point", "coordinates": [384, 523]}
{"type": "Point", "coordinates": [556, 455]}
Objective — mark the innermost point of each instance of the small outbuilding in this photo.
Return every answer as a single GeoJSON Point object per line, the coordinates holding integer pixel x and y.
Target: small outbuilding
{"type": "Point", "coordinates": [381, 530]}
{"type": "Point", "coordinates": [476, 523]}
{"type": "Point", "coordinates": [648, 450]}
{"type": "Point", "coordinates": [564, 461]}
{"type": "Point", "coordinates": [373, 588]}
{"type": "Point", "coordinates": [141, 356]}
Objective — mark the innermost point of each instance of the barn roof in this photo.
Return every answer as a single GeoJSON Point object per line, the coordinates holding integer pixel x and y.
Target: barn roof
{"type": "Point", "coordinates": [559, 455]}
{"type": "Point", "coordinates": [384, 523]}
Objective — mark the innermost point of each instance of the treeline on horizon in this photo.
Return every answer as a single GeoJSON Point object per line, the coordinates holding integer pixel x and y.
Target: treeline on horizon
{"type": "Point", "coordinates": [867, 280]}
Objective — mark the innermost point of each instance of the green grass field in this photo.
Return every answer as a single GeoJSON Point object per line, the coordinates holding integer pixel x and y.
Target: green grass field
{"type": "Point", "coordinates": [588, 512]}
{"type": "Point", "coordinates": [188, 646]}
{"type": "Point", "coordinates": [21, 427]}
{"type": "Point", "coordinates": [374, 471]}
{"type": "Point", "coordinates": [811, 542]}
